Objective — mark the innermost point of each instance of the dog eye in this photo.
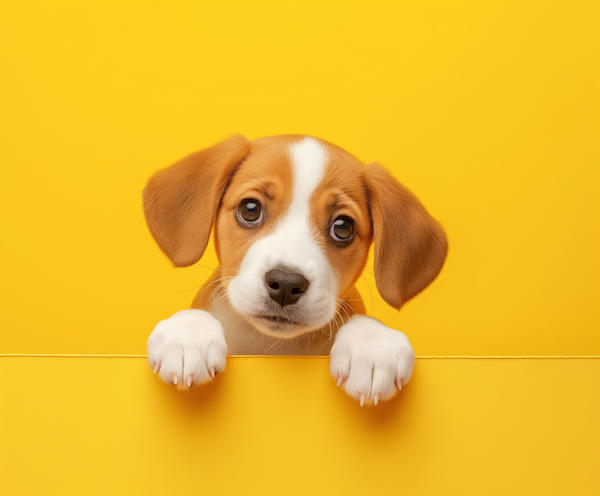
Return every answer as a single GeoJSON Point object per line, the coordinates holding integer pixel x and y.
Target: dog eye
{"type": "Point", "coordinates": [250, 211]}
{"type": "Point", "coordinates": [342, 229]}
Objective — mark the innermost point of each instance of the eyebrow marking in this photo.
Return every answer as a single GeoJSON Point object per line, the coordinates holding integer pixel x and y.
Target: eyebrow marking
{"type": "Point", "coordinates": [335, 201]}
{"type": "Point", "coordinates": [264, 190]}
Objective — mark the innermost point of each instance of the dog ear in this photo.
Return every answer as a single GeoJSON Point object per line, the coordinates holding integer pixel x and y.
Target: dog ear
{"type": "Point", "coordinates": [181, 201]}
{"type": "Point", "coordinates": [410, 245]}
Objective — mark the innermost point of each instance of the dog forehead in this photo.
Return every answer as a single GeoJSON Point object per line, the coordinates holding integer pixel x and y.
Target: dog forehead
{"type": "Point", "coordinates": [298, 170]}
{"type": "Point", "coordinates": [286, 167]}
{"type": "Point", "coordinates": [304, 157]}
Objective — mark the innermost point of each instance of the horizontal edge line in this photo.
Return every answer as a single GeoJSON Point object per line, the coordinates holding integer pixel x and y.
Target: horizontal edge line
{"type": "Point", "coordinates": [66, 355]}
{"type": "Point", "coordinates": [508, 357]}
{"type": "Point", "coordinates": [431, 357]}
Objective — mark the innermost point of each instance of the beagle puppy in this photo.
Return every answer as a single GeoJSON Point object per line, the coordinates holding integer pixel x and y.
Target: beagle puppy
{"type": "Point", "coordinates": [294, 218]}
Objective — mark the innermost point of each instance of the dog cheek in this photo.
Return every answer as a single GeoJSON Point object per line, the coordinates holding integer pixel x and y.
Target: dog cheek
{"type": "Point", "coordinates": [244, 295]}
{"type": "Point", "coordinates": [348, 263]}
{"type": "Point", "coordinates": [235, 294]}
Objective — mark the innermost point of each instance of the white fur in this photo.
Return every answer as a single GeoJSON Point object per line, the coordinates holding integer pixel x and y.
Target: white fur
{"type": "Point", "coordinates": [308, 159]}
{"type": "Point", "coordinates": [371, 360]}
{"type": "Point", "coordinates": [292, 244]}
{"type": "Point", "coordinates": [188, 348]}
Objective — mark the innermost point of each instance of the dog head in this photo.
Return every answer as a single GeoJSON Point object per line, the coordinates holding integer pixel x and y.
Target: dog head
{"type": "Point", "coordinates": [294, 217]}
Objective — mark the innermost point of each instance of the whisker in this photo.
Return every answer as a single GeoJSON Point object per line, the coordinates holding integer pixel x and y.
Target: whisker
{"type": "Point", "coordinates": [220, 297]}
{"type": "Point", "coordinates": [343, 306]}
{"type": "Point", "coordinates": [275, 342]}
{"type": "Point", "coordinates": [370, 292]}
{"type": "Point", "coordinates": [215, 281]}
{"type": "Point", "coordinates": [186, 290]}
{"type": "Point", "coordinates": [369, 271]}
{"type": "Point", "coordinates": [196, 287]}
{"type": "Point", "coordinates": [218, 270]}
{"type": "Point", "coordinates": [215, 291]}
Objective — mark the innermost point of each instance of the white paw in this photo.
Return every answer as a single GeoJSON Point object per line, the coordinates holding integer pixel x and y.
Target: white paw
{"type": "Point", "coordinates": [188, 348]}
{"type": "Point", "coordinates": [370, 360]}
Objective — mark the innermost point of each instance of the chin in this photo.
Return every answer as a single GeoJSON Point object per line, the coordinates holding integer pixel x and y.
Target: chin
{"type": "Point", "coordinates": [280, 327]}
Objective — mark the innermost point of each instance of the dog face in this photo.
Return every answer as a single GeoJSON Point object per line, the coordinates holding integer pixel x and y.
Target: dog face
{"type": "Point", "coordinates": [305, 237]}
{"type": "Point", "coordinates": [294, 218]}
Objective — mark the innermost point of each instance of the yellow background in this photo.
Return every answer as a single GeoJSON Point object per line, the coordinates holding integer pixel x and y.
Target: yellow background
{"type": "Point", "coordinates": [488, 111]}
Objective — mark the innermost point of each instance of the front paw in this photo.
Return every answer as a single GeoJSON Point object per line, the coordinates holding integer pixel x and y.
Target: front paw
{"type": "Point", "coordinates": [187, 349]}
{"type": "Point", "coordinates": [370, 360]}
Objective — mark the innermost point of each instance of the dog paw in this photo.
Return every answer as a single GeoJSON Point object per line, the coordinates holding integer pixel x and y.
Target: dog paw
{"type": "Point", "coordinates": [187, 349]}
{"type": "Point", "coordinates": [370, 360]}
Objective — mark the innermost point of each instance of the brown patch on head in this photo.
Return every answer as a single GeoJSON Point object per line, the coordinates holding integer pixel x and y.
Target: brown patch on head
{"type": "Point", "coordinates": [266, 176]}
{"type": "Point", "coordinates": [342, 193]}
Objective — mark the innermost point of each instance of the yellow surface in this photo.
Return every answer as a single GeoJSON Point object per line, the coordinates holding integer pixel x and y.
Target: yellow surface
{"type": "Point", "coordinates": [272, 426]}
{"type": "Point", "coordinates": [488, 111]}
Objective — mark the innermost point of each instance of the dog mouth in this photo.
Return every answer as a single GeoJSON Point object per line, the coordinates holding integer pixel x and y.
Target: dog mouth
{"type": "Point", "coordinates": [280, 320]}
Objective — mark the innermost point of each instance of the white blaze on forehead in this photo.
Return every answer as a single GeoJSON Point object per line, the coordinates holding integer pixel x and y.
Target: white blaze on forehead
{"type": "Point", "coordinates": [308, 159]}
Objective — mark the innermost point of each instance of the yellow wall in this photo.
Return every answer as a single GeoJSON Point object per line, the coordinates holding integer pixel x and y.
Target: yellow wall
{"type": "Point", "coordinates": [488, 111]}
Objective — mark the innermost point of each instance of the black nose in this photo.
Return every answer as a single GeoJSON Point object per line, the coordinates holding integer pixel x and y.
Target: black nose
{"type": "Point", "coordinates": [285, 288]}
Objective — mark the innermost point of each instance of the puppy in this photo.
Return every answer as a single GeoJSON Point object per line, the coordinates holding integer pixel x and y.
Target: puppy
{"type": "Point", "coordinates": [294, 217]}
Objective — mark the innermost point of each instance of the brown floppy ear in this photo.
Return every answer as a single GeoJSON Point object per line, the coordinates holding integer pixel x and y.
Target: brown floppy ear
{"type": "Point", "coordinates": [181, 201]}
{"type": "Point", "coordinates": [410, 245]}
